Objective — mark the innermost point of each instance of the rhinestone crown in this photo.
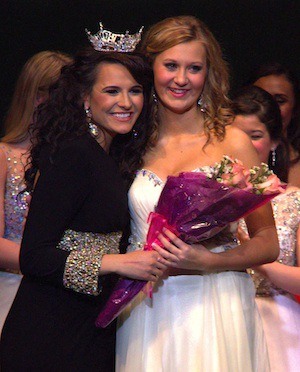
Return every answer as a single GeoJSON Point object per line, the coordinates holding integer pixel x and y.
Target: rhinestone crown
{"type": "Point", "coordinates": [106, 41]}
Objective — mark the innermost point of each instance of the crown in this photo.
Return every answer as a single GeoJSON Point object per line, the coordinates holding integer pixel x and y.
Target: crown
{"type": "Point", "coordinates": [106, 41]}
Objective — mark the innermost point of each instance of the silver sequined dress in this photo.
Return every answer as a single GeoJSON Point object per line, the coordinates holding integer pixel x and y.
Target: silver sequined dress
{"type": "Point", "coordinates": [14, 209]}
{"type": "Point", "coordinates": [279, 310]}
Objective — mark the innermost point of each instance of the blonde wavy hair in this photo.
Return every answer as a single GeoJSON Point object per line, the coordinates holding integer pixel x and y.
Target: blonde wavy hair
{"type": "Point", "coordinates": [36, 76]}
{"type": "Point", "coordinates": [176, 30]}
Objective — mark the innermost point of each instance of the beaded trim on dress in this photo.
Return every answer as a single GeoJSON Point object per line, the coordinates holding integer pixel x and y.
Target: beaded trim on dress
{"type": "Point", "coordinates": [84, 262]}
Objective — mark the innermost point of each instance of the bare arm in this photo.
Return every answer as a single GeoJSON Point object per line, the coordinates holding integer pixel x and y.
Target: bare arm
{"type": "Point", "coordinates": [263, 246]}
{"type": "Point", "coordinates": [283, 276]}
{"type": "Point", "coordinates": [9, 250]}
{"type": "Point", "coordinates": [9, 254]}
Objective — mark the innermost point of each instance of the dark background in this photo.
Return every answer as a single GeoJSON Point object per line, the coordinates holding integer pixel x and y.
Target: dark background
{"type": "Point", "coordinates": [250, 32]}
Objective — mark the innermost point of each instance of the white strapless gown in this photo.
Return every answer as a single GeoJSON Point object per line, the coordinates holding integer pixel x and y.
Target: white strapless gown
{"type": "Point", "coordinates": [193, 323]}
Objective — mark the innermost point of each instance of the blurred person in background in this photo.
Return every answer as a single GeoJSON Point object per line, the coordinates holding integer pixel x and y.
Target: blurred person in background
{"type": "Point", "coordinates": [32, 86]}
{"type": "Point", "coordinates": [283, 85]}
{"type": "Point", "coordinates": [258, 115]}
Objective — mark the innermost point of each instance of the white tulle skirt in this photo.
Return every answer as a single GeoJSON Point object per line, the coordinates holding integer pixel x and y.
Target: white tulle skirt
{"type": "Point", "coordinates": [9, 284]}
{"type": "Point", "coordinates": [194, 323]}
{"type": "Point", "coordinates": [281, 321]}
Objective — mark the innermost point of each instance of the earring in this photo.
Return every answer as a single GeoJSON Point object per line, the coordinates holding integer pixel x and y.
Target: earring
{"type": "Point", "coordinates": [273, 157]}
{"type": "Point", "coordinates": [201, 104]}
{"type": "Point", "coordinates": [154, 96]}
{"type": "Point", "coordinates": [92, 127]}
{"type": "Point", "coordinates": [135, 134]}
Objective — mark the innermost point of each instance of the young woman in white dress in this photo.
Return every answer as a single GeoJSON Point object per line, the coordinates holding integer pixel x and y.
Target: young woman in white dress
{"type": "Point", "coordinates": [202, 316]}
{"type": "Point", "coordinates": [276, 283]}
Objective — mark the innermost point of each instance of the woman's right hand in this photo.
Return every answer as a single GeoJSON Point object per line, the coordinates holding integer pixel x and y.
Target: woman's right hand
{"type": "Point", "coordinates": [180, 255]}
{"type": "Point", "coordinates": [141, 265]}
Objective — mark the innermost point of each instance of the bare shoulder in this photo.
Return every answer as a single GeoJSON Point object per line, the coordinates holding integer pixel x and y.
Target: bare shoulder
{"type": "Point", "coordinates": [238, 145]}
{"type": "Point", "coordinates": [3, 147]}
{"type": "Point", "coordinates": [3, 169]}
{"type": "Point", "coordinates": [236, 137]}
{"type": "Point", "coordinates": [3, 157]}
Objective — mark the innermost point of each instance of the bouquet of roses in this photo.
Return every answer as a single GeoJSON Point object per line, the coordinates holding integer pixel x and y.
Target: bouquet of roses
{"type": "Point", "coordinates": [196, 206]}
{"type": "Point", "coordinates": [202, 205]}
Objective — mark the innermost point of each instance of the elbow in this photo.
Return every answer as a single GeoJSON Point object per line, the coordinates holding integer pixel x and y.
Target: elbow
{"type": "Point", "coordinates": [273, 255]}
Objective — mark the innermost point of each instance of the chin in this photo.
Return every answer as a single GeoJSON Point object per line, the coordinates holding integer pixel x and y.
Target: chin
{"type": "Point", "coordinates": [179, 109]}
{"type": "Point", "coordinates": [124, 131]}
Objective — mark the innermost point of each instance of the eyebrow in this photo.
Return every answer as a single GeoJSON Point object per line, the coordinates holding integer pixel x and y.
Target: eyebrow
{"type": "Point", "coordinates": [111, 86]}
{"type": "Point", "coordinates": [118, 87]}
{"type": "Point", "coordinates": [256, 131]}
{"type": "Point", "coordinates": [280, 95]}
{"type": "Point", "coordinates": [175, 60]}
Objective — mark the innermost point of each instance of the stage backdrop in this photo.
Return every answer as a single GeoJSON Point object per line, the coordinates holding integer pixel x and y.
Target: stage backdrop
{"type": "Point", "coordinates": [250, 31]}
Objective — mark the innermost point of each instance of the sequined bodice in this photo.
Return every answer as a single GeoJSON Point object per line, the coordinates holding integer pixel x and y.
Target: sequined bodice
{"type": "Point", "coordinates": [14, 203]}
{"type": "Point", "coordinates": [143, 197]}
{"type": "Point", "coordinates": [286, 210]}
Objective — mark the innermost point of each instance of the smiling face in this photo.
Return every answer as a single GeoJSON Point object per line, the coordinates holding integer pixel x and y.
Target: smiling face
{"type": "Point", "coordinates": [258, 133]}
{"type": "Point", "coordinates": [179, 76]}
{"type": "Point", "coordinates": [282, 91]}
{"type": "Point", "coordinates": [116, 100]}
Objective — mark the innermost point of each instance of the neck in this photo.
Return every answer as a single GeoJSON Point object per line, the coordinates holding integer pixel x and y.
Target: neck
{"type": "Point", "coordinates": [24, 145]}
{"type": "Point", "coordinates": [187, 123]}
{"type": "Point", "coordinates": [104, 139]}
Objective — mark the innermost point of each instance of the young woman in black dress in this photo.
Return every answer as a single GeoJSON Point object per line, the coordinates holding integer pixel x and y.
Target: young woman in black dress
{"type": "Point", "coordinates": [77, 214]}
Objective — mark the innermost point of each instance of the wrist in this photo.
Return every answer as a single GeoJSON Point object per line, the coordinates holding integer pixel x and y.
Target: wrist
{"type": "Point", "coordinates": [110, 264]}
{"type": "Point", "coordinates": [220, 261]}
{"type": "Point", "coordinates": [213, 262]}
{"type": "Point", "coordinates": [261, 269]}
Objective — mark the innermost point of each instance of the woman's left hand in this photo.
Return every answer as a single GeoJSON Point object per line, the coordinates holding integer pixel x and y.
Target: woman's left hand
{"type": "Point", "coordinates": [176, 253]}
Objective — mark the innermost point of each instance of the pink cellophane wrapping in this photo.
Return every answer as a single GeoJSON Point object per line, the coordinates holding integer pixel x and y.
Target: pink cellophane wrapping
{"type": "Point", "coordinates": [199, 207]}
{"type": "Point", "coordinates": [195, 207]}
{"type": "Point", "coordinates": [126, 289]}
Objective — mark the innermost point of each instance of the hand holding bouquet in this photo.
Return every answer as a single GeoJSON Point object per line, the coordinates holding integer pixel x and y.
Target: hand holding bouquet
{"type": "Point", "coordinates": [196, 206]}
{"type": "Point", "coordinates": [203, 204]}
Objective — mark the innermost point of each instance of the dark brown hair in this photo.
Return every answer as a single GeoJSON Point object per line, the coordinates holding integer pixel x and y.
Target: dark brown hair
{"type": "Point", "coordinates": [252, 100]}
{"type": "Point", "coordinates": [63, 115]}
{"type": "Point", "coordinates": [278, 69]}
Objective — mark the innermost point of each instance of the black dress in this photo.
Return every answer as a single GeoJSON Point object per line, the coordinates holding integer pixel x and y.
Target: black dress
{"type": "Point", "coordinates": [50, 326]}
